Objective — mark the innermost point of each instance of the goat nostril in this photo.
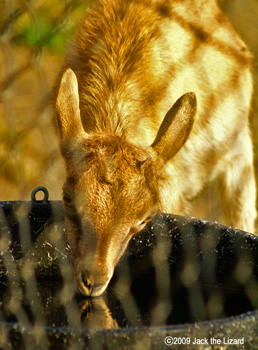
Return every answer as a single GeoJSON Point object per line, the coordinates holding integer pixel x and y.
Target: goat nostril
{"type": "Point", "coordinates": [86, 280]}
{"type": "Point", "coordinates": [92, 284]}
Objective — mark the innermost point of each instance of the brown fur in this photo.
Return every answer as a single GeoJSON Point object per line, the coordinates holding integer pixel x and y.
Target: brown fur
{"type": "Point", "coordinates": [125, 147]}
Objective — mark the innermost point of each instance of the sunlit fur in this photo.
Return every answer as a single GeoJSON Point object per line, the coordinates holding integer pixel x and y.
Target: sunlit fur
{"type": "Point", "coordinates": [133, 59]}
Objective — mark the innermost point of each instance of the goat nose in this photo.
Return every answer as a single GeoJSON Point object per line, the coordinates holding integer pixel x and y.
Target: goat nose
{"type": "Point", "coordinates": [86, 279]}
{"type": "Point", "coordinates": [92, 284]}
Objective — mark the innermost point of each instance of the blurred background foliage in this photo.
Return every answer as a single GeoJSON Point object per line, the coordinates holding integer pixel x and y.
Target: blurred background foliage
{"type": "Point", "coordinates": [41, 24]}
{"type": "Point", "coordinates": [34, 35]}
{"type": "Point", "coordinates": [33, 38]}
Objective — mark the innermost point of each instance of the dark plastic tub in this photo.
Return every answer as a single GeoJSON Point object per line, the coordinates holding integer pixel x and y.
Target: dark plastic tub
{"type": "Point", "coordinates": [182, 283]}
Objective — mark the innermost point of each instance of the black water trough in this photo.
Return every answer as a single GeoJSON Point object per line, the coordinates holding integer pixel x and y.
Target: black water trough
{"type": "Point", "coordinates": [182, 283]}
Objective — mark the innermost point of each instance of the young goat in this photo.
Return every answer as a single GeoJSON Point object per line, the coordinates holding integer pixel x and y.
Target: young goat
{"type": "Point", "coordinates": [126, 106]}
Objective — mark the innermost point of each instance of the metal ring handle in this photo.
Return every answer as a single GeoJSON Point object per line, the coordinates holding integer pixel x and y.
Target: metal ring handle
{"type": "Point", "coordinates": [38, 189]}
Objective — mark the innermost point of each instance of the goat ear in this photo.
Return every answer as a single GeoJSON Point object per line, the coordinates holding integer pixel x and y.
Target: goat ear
{"type": "Point", "coordinates": [175, 127]}
{"type": "Point", "coordinates": [69, 121]}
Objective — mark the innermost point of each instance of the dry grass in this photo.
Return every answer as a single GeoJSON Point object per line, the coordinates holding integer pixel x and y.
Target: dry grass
{"type": "Point", "coordinates": [32, 47]}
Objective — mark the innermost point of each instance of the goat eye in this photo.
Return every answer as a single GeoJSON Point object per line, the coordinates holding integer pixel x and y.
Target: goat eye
{"type": "Point", "coordinates": [67, 200]}
{"type": "Point", "coordinates": [145, 221]}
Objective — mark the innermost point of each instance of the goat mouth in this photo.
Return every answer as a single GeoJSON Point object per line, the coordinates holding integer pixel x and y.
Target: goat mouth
{"type": "Point", "coordinates": [92, 291]}
{"type": "Point", "coordinates": [89, 289]}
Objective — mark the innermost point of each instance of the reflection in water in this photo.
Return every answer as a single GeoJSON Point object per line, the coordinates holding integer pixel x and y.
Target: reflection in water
{"type": "Point", "coordinates": [96, 314]}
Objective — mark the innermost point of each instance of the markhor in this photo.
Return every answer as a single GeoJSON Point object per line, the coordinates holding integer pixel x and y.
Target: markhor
{"type": "Point", "coordinates": [233, 341]}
